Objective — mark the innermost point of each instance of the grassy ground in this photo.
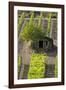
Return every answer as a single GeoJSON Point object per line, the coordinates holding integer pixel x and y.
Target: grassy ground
{"type": "Point", "coordinates": [37, 66]}
{"type": "Point", "coordinates": [19, 63]}
{"type": "Point", "coordinates": [56, 66]}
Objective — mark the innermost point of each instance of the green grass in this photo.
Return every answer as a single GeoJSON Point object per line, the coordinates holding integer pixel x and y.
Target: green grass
{"type": "Point", "coordinates": [19, 63]}
{"type": "Point", "coordinates": [56, 66]}
{"type": "Point", "coordinates": [37, 66]}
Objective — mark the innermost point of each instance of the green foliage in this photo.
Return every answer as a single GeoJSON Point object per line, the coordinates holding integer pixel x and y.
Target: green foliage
{"type": "Point", "coordinates": [49, 24]}
{"type": "Point", "coordinates": [37, 66]}
{"type": "Point", "coordinates": [31, 31]}
{"type": "Point", "coordinates": [54, 15]}
{"type": "Point", "coordinates": [44, 14]}
{"type": "Point", "coordinates": [56, 66]}
{"type": "Point", "coordinates": [25, 34]}
{"type": "Point", "coordinates": [28, 29]}
{"type": "Point", "coordinates": [20, 20]}
{"type": "Point", "coordinates": [40, 21]}
{"type": "Point", "coordinates": [31, 19]}
{"type": "Point", "coordinates": [19, 63]}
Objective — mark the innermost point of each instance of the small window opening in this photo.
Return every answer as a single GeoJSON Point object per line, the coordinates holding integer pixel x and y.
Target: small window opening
{"type": "Point", "coordinates": [40, 44]}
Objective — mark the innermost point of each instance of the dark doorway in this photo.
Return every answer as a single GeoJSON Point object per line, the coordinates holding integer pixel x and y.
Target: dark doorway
{"type": "Point", "coordinates": [40, 44]}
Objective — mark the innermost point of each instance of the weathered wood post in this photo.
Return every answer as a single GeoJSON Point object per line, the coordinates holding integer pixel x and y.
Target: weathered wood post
{"type": "Point", "coordinates": [26, 53]}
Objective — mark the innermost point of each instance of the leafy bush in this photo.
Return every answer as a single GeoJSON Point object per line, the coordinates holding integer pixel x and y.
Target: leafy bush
{"type": "Point", "coordinates": [37, 66]}
{"type": "Point", "coordinates": [31, 31]}
{"type": "Point", "coordinates": [25, 35]}
{"type": "Point", "coordinates": [20, 20]}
